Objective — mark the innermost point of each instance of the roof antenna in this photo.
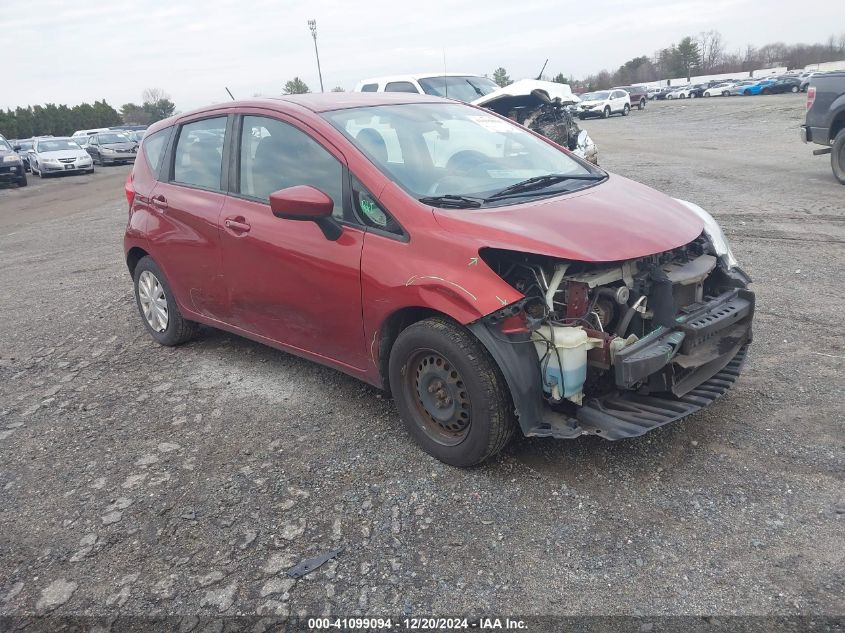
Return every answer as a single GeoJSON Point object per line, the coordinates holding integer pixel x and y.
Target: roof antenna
{"type": "Point", "coordinates": [540, 76]}
{"type": "Point", "coordinates": [445, 85]}
{"type": "Point", "coordinates": [230, 93]}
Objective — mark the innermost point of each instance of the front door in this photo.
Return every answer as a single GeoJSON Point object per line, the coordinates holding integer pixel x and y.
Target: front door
{"type": "Point", "coordinates": [286, 281]}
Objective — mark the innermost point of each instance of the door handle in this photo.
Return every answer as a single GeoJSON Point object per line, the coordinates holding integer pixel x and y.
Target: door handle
{"type": "Point", "coordinates": [237, 225]}
{"type": "Point", "coordinates": [159, 201]}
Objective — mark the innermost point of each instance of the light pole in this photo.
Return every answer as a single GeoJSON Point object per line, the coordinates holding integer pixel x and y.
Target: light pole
{"type": "Point", "coordinates": [312, 24]}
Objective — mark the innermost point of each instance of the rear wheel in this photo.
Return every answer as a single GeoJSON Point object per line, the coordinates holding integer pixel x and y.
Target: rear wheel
{"type": "Point", "coordinates": [450, 393]}
{"type": "Point", "coordinates": [626, 110]}
{"type": "Point", "coordinates": [794, 89]}
{"type": "Point", "coordinates": [692, 95]}
{"type": "Point", "coordinates": [837, 157]}
{"type": "Point", "coordinates": [157, 306]}
{"type": "Point", "coordinates": [641, 105]}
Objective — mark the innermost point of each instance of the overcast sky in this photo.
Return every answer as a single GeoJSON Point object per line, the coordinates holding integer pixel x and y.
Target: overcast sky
{"type": "Point", "coordinates": [72, 51]}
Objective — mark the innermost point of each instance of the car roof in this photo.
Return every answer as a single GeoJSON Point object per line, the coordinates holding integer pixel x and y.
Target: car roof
{"type": "Point", "coordinates": [414, 76]}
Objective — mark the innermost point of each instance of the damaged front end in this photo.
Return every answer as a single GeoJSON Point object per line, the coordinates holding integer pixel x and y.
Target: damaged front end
{"type": "Point", "coordinates": [617, 349]}
{"type": "Point", "coordinates": [548, 117]}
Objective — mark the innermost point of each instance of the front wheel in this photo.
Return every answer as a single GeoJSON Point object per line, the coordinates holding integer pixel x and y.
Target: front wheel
{"type": "Point", "coordinates": [606, 112]}
{"type": "Point", "coordinates": [22, 180]}
{"type": "Point", "coordinates": [837, 157]}
{"type": "Point", "coordinates": [450, 393]}
{"type": "Point", "coordinates": [626, 110]}
{"type": "Point", "coordinates": [692, 95]}
{"type": "Point", "coordinates": [157, 306]}
{"type": "Point", "coordinates": [725, 93]}
{"type": "Point", "coordinates": [683, 96]}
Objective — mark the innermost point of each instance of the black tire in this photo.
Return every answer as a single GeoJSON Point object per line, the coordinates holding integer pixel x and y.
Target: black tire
{"type": "Point", "coordinates": [683, 96]}
{"type": "Point", "coordinates": [726, 93]}
{"type": "Point", "coordinates": [90, 171]}
{"type": "Point", "coordinates": [837, 157]}
{"type": "Point", "coordinates": [626, 110]}
{"type": "Point", "coordinates": [22, 180]}
{"type": "Point", "coordinates": [794, 89]}
{"type": "Point", "coordinates": [705, 95]}
{"type": "Point", "coordinates": [641, 105]}
{"type": "Point", "coordinates": [606, 112]}
{"type": "Point", "coordinates": [466, 390]}
{"type": "Point", "coordinates": [692, 95]}
{"type": "Point", "coordinates": [178, 330]}
{"type": "Point", "coordinates": [766, 91]}
{"type": "Point", "coordinates": [581, 117]}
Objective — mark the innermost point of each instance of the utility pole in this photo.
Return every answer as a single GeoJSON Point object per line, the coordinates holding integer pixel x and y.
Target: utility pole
{"type": "Point", "coordinates": [312, 24]}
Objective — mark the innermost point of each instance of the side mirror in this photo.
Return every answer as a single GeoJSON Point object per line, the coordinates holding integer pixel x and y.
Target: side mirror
{"type": "Point", "coordinates": [17, 148]}
{"type": "Point", "coordinates": [305, 202]}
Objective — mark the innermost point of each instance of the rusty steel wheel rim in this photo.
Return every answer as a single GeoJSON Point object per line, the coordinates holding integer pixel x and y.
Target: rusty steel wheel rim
{"type": "Point", "coordinates": [439, 398]}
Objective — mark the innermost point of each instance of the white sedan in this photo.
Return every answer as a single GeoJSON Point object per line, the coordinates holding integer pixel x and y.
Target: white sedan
{"type": "Point", "coordinates": [55, 155]}
{"type": "Point", "coordinates": [680, 93]}
{"type": "Point", "coordinates": [719, 90]}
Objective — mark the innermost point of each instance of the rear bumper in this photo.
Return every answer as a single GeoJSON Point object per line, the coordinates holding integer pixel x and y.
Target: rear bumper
{"type": "Point", "coordinates": [818, 135]}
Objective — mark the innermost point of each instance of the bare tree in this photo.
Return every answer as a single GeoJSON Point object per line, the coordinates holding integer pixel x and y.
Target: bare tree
{"type": "Point", "coordinates": [712, 49]}
{"type": "Point", "coordinates": [154, 95]}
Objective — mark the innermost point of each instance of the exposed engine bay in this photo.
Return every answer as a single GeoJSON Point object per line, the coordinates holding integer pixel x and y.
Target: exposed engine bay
{"type": "Point", "coordinates": [658, 326]}
{"type": "Point", "coordinates": [549, 117]}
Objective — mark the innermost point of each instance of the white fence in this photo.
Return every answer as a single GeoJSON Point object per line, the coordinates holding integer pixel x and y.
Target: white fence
{"type": "Point", "coordinates": [699, 79]}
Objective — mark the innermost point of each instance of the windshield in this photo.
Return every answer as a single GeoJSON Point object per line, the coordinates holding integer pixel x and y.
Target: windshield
{"type": "Point", "coordinates": [596, 96]}
{"type": "Point", "coordinates": [105, 139]}
{"type": "Point", "coordinates": [460, 88]}
{"type": "Point", "coordinates": [25, 145]}
{"type": "Point", "coordinates": [438, 149]}
{"type": "Point", "coordinates": [56, 145]}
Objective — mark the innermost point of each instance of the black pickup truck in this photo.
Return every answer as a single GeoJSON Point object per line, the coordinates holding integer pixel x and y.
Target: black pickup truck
{"type": "Point", "coordinates": [825, 122]}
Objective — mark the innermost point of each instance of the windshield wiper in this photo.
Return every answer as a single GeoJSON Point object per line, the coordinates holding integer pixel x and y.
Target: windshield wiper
{"type": "Point", "coordinates": [541, 182]}
{"type": "Point", "coordinates": [450, 201]}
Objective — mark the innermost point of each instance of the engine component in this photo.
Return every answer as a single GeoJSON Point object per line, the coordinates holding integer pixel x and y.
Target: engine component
{"type": "Point", "coordinates": [563, 360]}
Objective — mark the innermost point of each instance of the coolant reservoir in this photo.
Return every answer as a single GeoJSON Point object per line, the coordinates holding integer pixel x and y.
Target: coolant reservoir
{"type": "Point", "coordinates": [563, 360]}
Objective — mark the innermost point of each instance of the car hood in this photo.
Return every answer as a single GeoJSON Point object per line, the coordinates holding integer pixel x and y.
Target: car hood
{"type": "Point", "coordinates": [524, 87]}
{"type": "Point", "coordinates": [592, 101]}
{"type": "Point", "coordinates": [5, 152]}
{"type": "Point", "coordinates": [615, 220]}
{"type": "Point", "coordinates": [118, 145]}
{"type": "Point", "coordinates": [64, 153]}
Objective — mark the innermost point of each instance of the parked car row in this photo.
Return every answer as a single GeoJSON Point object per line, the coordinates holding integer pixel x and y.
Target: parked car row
{"type": "Point", "coordinates": [789, 82]}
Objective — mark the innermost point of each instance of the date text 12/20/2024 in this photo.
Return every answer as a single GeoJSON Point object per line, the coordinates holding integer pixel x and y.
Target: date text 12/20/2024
{"type": "Point", "coordinates": [416, 624]}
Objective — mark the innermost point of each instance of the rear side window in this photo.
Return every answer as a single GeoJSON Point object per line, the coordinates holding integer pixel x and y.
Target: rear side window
{"type": "Point", "coordinates": [369, 88]}
{"type": "Point", "coordinates": [199, 153]}
{"type": "Point", "coordinates": [276, 155]}
{"type": "Point", "coordinates": [153, 148]}
{"type": "Point", "coordinates": [401, 86]}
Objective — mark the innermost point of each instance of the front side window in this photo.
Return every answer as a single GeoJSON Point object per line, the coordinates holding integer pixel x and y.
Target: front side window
{"type": "Point", "coordinates": [275, 155]}
{"type": "Point", "coordinates": [199, 153]}
{"type": "Point", "coordinates": [450, 148]}
{"type": "Point", "coordinates": [153, 148]}
{"type": "Point", "coordinates": [401, 86]}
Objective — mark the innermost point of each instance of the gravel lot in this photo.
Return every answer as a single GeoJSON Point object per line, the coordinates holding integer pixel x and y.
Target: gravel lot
{"type": "Point", "coordinates": [137, 479]}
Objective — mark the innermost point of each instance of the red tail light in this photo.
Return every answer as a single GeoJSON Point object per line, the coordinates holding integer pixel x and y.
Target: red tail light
{"type": "Point", "coordinates": [811, 96]}
{"type": "Point", "coordinates": [129, 188]}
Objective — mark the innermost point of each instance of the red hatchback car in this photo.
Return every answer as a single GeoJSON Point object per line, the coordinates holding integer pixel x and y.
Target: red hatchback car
{"type": "Point", "coordinates": [485, 276]}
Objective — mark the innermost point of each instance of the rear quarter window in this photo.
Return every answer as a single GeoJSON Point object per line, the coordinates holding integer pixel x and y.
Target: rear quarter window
{"type": "Point", "coordinates": [153, 148]}
{"type": "Point", "coordinates": [401, 86]}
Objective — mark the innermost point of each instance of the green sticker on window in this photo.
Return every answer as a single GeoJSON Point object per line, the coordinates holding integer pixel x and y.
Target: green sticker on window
{"type": "Point", "coordinates": [370, 209]}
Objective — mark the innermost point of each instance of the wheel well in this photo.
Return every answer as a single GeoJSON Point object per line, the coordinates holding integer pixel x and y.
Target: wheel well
{"type": "Point", "coordinates": [390, 330]}
{"type": "Point", "coordinates": [134, 255]}
{"type": "Point", "coordinates": [837, 125]}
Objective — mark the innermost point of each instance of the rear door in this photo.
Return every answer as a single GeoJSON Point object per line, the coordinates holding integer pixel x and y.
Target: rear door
{"type": "Point", "coordinates": [183, 229]}
{"type": "Point", "coordinates": [286, 281]}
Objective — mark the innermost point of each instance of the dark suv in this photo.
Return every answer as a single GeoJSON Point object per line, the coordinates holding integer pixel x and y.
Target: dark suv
{"type": "Point", "coordinates": [638, 94]}
{"type": "Point", "coordinates": [11, 165]}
